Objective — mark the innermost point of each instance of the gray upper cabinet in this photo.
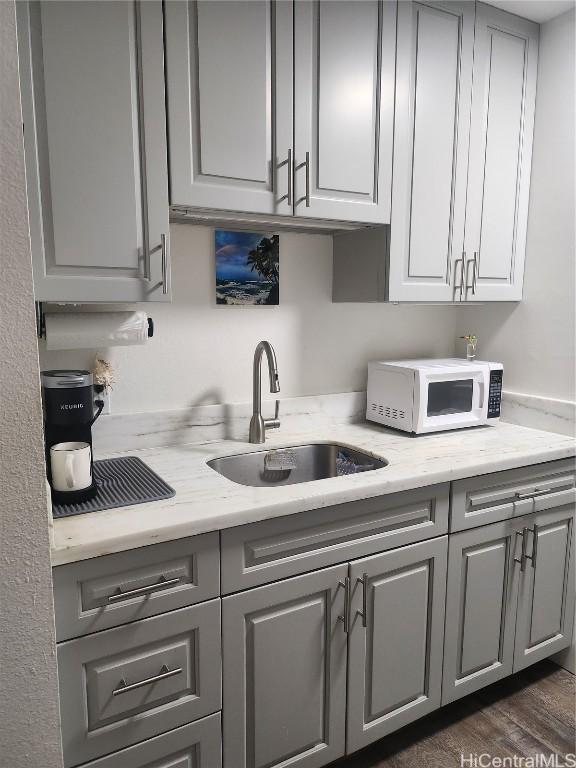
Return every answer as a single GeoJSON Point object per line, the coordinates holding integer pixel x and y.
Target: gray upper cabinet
{"type": "Point", "coordinates": [229, 69]}
{"type": "Point", "coordinates": [396, 639]}
{"type": "Point", "coordinates": [285, 672]}
{"type": "Point", "coordinates": [431, 130]}
{"type": "Point", "coordinates": [282, 108]}
{"type": "Point", "coordinates": [343, 109]}
{"type": "Point", "coordinates": [464, 116]}
{"type": "Point", "coordinates": [92, 77]}
{"type": "Point", "coordinates": [546, 589]}
{"type": "Point", "coordinates": [504, 94]}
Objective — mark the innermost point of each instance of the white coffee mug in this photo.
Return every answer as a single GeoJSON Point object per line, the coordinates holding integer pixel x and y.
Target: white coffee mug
{"type": "Point", "coordinates": [71, 465]}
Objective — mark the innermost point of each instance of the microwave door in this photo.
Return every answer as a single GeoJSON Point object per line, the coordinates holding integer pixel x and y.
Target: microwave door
{"type": "Point", "coordinates": [451, 401]}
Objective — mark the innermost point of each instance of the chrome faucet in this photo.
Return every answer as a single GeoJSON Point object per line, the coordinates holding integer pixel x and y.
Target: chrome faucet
{"type": "Point", "coordinates": [258, 425]}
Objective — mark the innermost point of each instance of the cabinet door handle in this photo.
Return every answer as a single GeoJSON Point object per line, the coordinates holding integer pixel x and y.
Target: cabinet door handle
{"type": "Point", "coordinates": [163, 248]}
{"type": "Point", "coordinates": [164, 674]}
{"type": "Point", "coordinates": [120, 595]}
{"type": "Point", "coordinates": [307, 179]}
{"type": "Point", "coordinates": [523, 555]}
{"type": "Point", "coordinates": [533, 494]}
{"type": "Point", "coordinates": [345, 618]}
{"type": "Point", "coordinates": [289, 166]}
{"type": "Point", "coordinates": [534, 546]}
{"type": "Point", "coordinates": [460, 286]}
{"type": "Point", "coordinates": [364, 612]}
{"type": "Point", "coordinates": [473, 286]}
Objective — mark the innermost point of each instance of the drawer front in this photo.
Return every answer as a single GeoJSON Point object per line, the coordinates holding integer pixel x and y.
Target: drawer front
{"type": "Point", "coordinates": [108, 591]}
{"type": "Point", "coordinates": [196, 745]}
{"type": "Point", "coordinates": [127, 684]}
{"type": "Point", "coordinates": [514, 492]}
{"type": "Point", "coordinates": [275, 549]}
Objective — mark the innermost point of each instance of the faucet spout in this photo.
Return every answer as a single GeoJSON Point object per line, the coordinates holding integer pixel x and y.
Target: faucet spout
{"type": "Point", "coordinates": [258, 425]}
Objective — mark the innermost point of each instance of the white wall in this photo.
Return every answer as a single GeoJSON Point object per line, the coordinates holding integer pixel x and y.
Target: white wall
{"type": "Point", "coordinates": [536, 339]}
{"type": "Point", "coordinates": [29, 719]}
{"type": "Point", "coordinates": [202, 352]}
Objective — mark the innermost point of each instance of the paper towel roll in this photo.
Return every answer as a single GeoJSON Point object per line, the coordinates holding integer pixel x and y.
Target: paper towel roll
{"type": "Point", "coordinates": [95, 330]}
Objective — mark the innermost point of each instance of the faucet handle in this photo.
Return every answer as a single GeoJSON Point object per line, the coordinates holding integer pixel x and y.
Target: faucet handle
{"type": "Point", "coordinates": [275, 422]}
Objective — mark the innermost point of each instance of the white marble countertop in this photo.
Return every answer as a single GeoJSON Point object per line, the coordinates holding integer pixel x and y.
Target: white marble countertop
{"type": "Point", "coordinates": [206, 501]}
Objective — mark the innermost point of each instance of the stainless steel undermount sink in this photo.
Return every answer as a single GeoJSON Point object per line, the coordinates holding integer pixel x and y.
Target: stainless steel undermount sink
{"type": "Point", "coordinates": [294, 464]}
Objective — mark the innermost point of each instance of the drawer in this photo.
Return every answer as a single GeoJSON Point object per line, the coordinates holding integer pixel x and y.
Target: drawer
{"type": "Point", "coordinates": [261, 552]}
{"type": "Point", "coordinates": [514, 492]}
{"type": "Point", "coordinates": [108, 591]}
{"type": "Point", "coordinates": [196, 745]}
{"type": "Point", "coordinates": [124, 685]}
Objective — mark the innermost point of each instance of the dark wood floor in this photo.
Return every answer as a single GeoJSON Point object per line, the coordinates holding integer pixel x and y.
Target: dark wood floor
{"type": "Point", "coordinates": [528, 714]}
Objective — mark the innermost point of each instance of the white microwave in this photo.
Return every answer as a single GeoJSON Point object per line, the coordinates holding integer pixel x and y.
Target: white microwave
{"type": "Point", "coordinates": [422, 396]}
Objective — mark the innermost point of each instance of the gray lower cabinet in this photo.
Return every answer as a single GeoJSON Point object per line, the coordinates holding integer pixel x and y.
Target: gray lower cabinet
{"type": "Point", "coordinates": [195, 745]}
{"type": "Point", "coordinates": [510, 598]}
{"type": "Point", "coordinates": [92, 80]}
{"type": "Point", "coordinates": [127, 684]}
{"type": "Point", "coordinates": [396, 639]}
{"type": "Point", "coordinates": [284, 659]}
{"type": "Point", "coordinates": [482, 590]}
{"type": "Point", "coordinates": [546, 588]}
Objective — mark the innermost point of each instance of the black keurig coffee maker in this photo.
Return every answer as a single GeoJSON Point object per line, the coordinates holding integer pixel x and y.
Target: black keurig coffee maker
{"type": "Point", "coordinates": [69, 412]}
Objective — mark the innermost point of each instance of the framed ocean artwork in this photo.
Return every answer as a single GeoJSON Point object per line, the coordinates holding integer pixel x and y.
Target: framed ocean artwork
{"type": "Point", "coordinates": [247, 268]}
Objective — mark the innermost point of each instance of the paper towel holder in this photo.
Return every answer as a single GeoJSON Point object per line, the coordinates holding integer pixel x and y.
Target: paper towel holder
{"type": "Point", "coordinates": [41, 322]}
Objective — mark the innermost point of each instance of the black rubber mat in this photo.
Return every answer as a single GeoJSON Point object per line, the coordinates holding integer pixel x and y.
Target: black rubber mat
{"type": "Point", "coordinates": [121, 482]}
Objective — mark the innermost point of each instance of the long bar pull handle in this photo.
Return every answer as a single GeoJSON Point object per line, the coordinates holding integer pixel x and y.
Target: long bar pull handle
{"type": "Point", "coordinates": [460, 286]}
{"type": "Point", "coordinates": [467, 284]}
{"type": "Point", "coordinates": [532, 557]}
{"type": "Point", "coordinates": [523, 556]}
{"type": "Point", "coordinates": [364, 612]}
{"type": "Point", "coordinates": [290, 177]}
{"type": "Point", "coordinates": [164, 247]}
{"type": "Point", "coordinates": [290, 172]}
{"type": "Point", "coordinates": [345, 618]}
{"type": "Point", "coordinates": [161, 584]}
{"type": "Point", "coordinates": [533, 494]}
{"type": "Point", "coordinates": [307, 179]}
{"type": "Point", "coordinates": [164, 674]}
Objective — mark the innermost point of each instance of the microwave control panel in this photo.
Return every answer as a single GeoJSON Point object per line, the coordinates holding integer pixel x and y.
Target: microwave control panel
{"type": "Point", "coordinates": [495, 394]}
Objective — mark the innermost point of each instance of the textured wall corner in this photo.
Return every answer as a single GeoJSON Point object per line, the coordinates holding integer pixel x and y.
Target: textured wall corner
{"type": "Point", "coordinates": [29, 718]}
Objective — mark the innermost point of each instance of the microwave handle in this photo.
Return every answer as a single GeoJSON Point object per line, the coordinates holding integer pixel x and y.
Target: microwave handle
{"type": "Point", "coordinates": [481, 393]}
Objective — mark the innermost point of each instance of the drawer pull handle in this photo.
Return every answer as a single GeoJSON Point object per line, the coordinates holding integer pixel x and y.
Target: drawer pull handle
{"type": "Point", "coordinates": [165, 673]}
{"type": "Point", "coordinates": [120, 595]}
{"type": "Point", "coordinates": [533, 494]}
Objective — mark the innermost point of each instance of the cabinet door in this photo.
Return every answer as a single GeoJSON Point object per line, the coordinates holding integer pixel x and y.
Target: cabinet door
{"type": "Point", "coordinates": [396, 639]}
{"type": "Point", "coordinates": [505, 64]}
{"type": "Point", "coordinates": [546, 591]}
{"type": "Point", "coordinates": [285, 672]}
{"type": "Point", "coordinates": [433, 88]}
{"type": "Point", "coordinates": [95, 139]}
{"type": "Point", "coordinates": [481, 597]}
{"type": "Point", "coordinates": [229, 82]}
{"type": "Point", "coordinates": [343, 108]}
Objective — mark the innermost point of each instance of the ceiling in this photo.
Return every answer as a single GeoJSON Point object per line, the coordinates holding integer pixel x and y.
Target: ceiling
{"type": "Point", "coordinates": [535, 10]}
